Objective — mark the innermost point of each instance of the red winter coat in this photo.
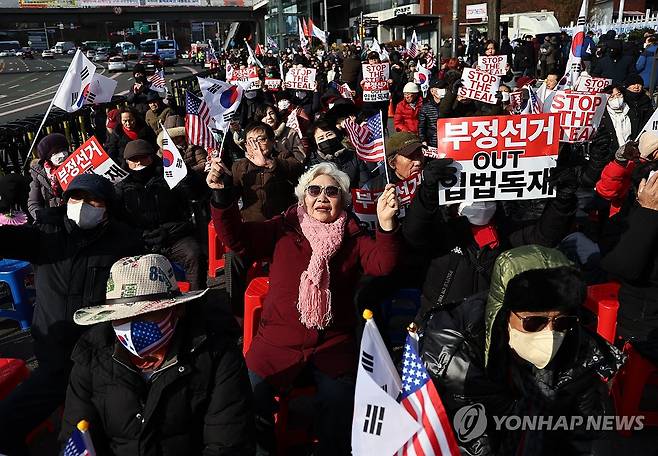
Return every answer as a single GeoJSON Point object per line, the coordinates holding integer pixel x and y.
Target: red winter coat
{"type": "Point", "coordinates": [406, 118]}
{"type": "Point", "coordinates": [283, 346]}
{"type": "Point", "coordinates": [614, 184]}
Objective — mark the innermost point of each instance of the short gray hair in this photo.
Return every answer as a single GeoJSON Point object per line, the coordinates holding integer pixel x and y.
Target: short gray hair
{"type": "Point", "coordinates": [331, 170]}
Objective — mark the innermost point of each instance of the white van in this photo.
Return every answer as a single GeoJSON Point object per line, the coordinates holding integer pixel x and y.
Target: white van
{"type": "Point", "coordinates": [532, 23]}
{"type": "Point", "coordinates": [127, 50]}
{"type": "Point", "coordinates": [63, 47]}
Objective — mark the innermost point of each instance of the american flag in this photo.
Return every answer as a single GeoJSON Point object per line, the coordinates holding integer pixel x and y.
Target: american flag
{"type": "Point", "coordinates": [157, 81]}
{"type": "Point", "coordinates": [271, 43]}
{"type": "Point", "coordinates": [430, 61]}
{"type": "Point", "coordinates": [79, 444]}
{"type": "Point", "coordinates": [413, 46]}
{"type": "Point", "coordinates": [368, 139]}
{"type": "Point", "coordinates": [293, 122]}
{"type": "Point", "coordinates": [197, 120]}
{"type": "Point", "coordinates": [534, 104]}
{"type": "Point", "coordinates": [421, 399]}
{"type": "Point", "coordinates": [147, 336]}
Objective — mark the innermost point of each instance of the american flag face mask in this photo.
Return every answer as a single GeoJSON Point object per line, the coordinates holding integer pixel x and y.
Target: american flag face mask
{"type": "Point", "coordinates": [142, 337]}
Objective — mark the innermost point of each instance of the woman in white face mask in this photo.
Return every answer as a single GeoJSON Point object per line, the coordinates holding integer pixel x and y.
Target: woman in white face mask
{"type": "Point", "coordinates": [45, 190]}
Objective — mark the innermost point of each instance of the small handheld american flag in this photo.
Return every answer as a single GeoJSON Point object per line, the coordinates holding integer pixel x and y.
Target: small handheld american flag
{"type": "Point", "coordinates": [421, 399]}
{"type": "Point", "coordinates": [79, 444]}
{"type": "Point", "coordinates": [368, 138]}
{"type": "Point", "coordinates": [157, 81]}
{"type": "Point", "coordinates": [197, 121]}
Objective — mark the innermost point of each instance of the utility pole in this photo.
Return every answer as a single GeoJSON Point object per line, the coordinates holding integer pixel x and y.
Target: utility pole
{"type": "Point", "coordinates": [158, 29]}
{"type": "Point", "coordinates": [493, 20]}
{"type": "Point", "coordinates": [455, 28]}
{"type": "Point", "coordinates": [326, 27]}
{"type": "Point", "coordinates": [45, 30]}
{"type": "Point", "coordinates": [620, 15]}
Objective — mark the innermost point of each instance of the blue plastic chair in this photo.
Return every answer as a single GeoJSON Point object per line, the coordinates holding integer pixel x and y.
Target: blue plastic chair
{"type": "Point", "coordinates": [398, 311]}
{"type": "Point", "coordinates": [14, 273]}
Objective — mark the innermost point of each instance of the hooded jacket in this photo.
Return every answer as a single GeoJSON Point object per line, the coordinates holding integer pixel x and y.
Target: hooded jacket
{"type": "Point", "coordinates": [465, 348]}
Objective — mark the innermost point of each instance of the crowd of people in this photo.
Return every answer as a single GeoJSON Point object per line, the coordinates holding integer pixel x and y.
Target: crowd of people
{"type": "Point", "coordinates": [503, 283]}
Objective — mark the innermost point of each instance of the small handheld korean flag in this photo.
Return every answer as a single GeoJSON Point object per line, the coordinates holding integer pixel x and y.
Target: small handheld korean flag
{"type": "Point", "coordinates": [73, 90]}
{"type": "Point", "coordinates": [380, 425]}
{"type": "Point", "coordinates": [101, 90]}
{"type": "Point", "coordinates": [222, 98]}
{"type": "Point", "coordinates": [172, 161]}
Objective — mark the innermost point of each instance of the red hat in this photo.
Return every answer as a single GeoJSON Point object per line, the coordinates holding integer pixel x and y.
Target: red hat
{"type": "Point", "coordinates": [523, 81]}
{"type": "Point", "coordinates": [112, 119]}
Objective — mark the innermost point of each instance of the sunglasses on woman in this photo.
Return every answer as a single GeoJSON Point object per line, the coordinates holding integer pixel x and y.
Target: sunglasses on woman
{"type": "Point", "coordinates": [536, 323]}
{"type": "Point", "coordinates": [330, 190]}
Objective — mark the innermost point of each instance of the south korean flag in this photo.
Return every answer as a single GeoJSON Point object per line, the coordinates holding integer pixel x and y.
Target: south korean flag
{"type": "Point", "coordinates": [380, 425]}
{"type": "Point", "coordinates": [172, 161]}
{"type": "Point", "coordinates": [76, 85]}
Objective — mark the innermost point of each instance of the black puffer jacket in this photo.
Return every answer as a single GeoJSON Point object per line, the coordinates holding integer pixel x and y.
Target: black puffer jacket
{"type": "Point", "coordinates": [358, 171]}
{"type": "Point", "coordinates": [72, 267]}
{"type": "Point", "coordinates": [197, 403]}
{"type": "Point", "coordinates": [429, 114]}
{"type": "Point", "coordinates": [146, 202]}
{"type": "Point", "coordinates": [458, 267]}
{"type": "Point", "coordinates": [118, 140]}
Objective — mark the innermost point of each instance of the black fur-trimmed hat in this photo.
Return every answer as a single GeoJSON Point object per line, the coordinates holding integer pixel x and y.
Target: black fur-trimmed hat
{"type": "Point", "coordinates": [540, 290]}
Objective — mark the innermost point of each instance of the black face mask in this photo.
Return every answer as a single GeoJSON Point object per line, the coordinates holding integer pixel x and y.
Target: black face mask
{"type": "Point", "coordinates": [141, 79]}
{"type": "Point", "coordinates": [330, 146]}
{"type": "Point", "coordinates": [143, 175]}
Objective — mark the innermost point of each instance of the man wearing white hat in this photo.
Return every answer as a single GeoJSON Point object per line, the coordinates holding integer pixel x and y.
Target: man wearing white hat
{"type": "Point", "coordinates": [407, 110]}
{"type": "Point", "coordinates": [150, 378]}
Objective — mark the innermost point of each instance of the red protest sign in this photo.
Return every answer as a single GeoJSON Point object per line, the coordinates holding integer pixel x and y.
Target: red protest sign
{"type": "Point", "coordinates": [249, 74]}
{"type": "Point", "coordinates": [494, 64]}
{"type": "Point", "coordinates": [364, 201]}
{"type": "Point", "coordinates": [375, 82]}
{"type": "Point", "coordinates": [499, 157]}
{"type": "Point", "coordinates": [580, 113]}
{"type": "Point", "coordinates": [89, 158]}
{"type": "Point", "coordinates": [479, 85]}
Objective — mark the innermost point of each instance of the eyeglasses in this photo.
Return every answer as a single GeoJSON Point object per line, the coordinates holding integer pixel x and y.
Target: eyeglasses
{"type": "Point", "coordinates": [536, 323]}
{"type": "Point", "coordinates": [259, 140]}
{"type": "Point", "coordinates": [330, 190]}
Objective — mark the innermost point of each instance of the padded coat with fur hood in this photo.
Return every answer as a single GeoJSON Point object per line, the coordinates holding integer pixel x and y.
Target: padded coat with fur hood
{"type": "Point", "coordinates": [465, 348]}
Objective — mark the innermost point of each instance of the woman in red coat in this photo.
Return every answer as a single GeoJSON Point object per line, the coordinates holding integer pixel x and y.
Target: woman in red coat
{"type": "Point", "coordinates": [317, 253]}
{"type": "Point", "coordinates": [406, 113]}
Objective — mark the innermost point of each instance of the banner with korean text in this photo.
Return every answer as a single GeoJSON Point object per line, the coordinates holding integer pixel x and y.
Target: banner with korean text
{"type": "Point", "coordinates": [375, 82]}
{"type": "Point", "coordinates": [493, 64]}
{"type": "Point", "coordinates": [248, 76]}
{"type": "Point", "coordinates": [300, 79]}
{"type": "Point", "coordinates": [499, 157]}
{"type": "Point", "coordinates": [364, 201]}
{"type": "Point", "coordinates": [479, 85]}
{"type": "Point", "coordinates": [89, 158]}
{"type": "Point", "coordinates": [580, 113]}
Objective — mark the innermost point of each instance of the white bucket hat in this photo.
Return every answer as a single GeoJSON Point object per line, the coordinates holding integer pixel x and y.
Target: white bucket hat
{"type": "Point", "coordinates": [410, 87]}
{"type": "Point", "coordinates": [137, 285]}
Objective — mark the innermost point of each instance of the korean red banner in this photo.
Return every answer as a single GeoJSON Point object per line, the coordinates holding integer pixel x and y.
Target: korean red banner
{"type": "Point", "coordinates": [375, 82]}
{"type": "Point", "coordinates": [364, 201]}
{"type": "Point", "coordinates": [591, 85]}
{"type": "Point", "coordinates": [499, 157]}
{"type": "Point", "coordinates": [300, 79]}
{"type": "Point", "coordinates": [273, 84]}
{"type": "Point", "coordinates": [580, 113]}
{"type": "Point", "coordinates": [479, 85]}
{"type": "Point", "coordinates": [249, 74]}
{"type": "Point", "coordinates": [89, 158]}
{"type": "Point", "coordinates": [493, 64]}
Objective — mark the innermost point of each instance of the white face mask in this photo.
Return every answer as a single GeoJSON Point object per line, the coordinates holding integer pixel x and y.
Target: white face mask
{"type": "Point", "coordinates": [505, 96]}
{"type": "Point", "coordinates": [58, 158]}
{"type": "Point", "coordinates": [139, 167]}
{"type": "Point", "coordinates": [616, 103]}
{"type": "Point", "coordinates": [300, 94]}
{"type": "Point", "coordinates": [250, 94]}
{"type": "Point", "coordinates": [537, 348]}
{"type": "Point", "coordinates": [478, 213]}
{"type": "Point", "coordinates": [85, 215]}
{"type": "Point", "coordinates": [283, 104]}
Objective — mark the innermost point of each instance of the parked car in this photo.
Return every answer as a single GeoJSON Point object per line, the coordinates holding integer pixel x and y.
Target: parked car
{"type": "Point", "coordinates": [90, 53]}
{"type": "Point", "coordinates": [71, 51]}
{"type": "Point", "coordinates": [26, 53]}
{"type": "Point", "coordinates": [151, 62]}
{"type": "Point", "coordinates": [116, 64]}
{"type": "Point", "coordinates": [47, 54]}
{"type": "Point", "coordinates": [101, 56]}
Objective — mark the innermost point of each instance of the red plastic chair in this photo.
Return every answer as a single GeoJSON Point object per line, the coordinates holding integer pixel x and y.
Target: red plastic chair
{"type": "Point", "coordinates": [12, 373]}
{"type": "Point", "coordinates": [253, 305]}
{"type": "Point", "coordinates": [215, 251]}
{"type": "Point", "coordinates": [602, 301]}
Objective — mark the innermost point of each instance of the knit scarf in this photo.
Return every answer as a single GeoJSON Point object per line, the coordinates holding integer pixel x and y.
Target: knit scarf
{"type": "Point", "coordinates": [52, 177]}
{"type": "Point", "coordinates": [314, 304]}
{"type": "Point", "coordinates": [131, 134]}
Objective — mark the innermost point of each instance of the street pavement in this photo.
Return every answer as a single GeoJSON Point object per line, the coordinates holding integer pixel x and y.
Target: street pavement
{"type": "Point", "coordinates": [26, 87]}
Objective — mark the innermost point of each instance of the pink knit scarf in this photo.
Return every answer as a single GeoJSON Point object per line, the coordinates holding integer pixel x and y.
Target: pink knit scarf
{"type": "Point", "coordinates": [314, 304]}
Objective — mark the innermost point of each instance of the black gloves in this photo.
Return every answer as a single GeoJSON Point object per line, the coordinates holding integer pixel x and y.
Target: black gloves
{"type": "Point", "coordinates": [155, 238]}
{"type": "Point", "coordinates": [438, 170]}
{"type": "Point", "coordinates": [628, 151]}
{"type": "Point", "coordinates": [565, 182]}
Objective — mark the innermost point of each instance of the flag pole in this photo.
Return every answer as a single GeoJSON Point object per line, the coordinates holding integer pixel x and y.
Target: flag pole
{"type": "Point", "coordinates": [36, 135]}
{"type": "Point", "coordinates": [381, 120]}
